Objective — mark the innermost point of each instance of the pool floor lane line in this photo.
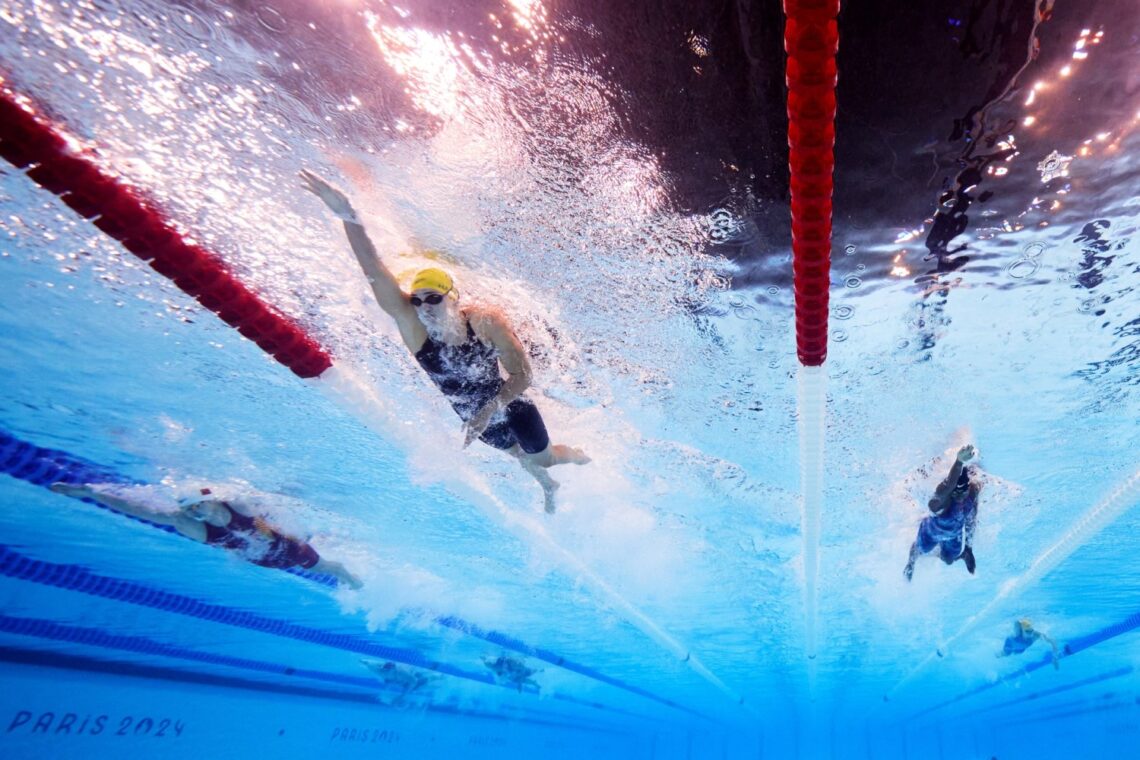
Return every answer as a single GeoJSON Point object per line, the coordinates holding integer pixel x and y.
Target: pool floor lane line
{"type": "Point", "coordinates": [43, 466]}
{"type": "Point", "coordinates": [54, 631]}
{"type": "Point", "coordinates": [1071, 648]}
{"type": "Point", "coordinates": [14, 564]}
{"type": "Point", "coordinates": [67, 661]}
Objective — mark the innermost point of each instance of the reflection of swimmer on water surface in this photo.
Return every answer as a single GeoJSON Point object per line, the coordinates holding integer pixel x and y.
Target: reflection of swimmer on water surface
{"type": "Point", "coordinates": [512, 671]}
{"type": "Point", "coordinates": [462, 350]}
{"type": "Point", "coordinates": [227, 524]}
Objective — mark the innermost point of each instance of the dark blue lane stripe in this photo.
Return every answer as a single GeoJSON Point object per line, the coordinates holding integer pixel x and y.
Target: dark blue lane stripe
{"type": "Point", "coordinates": [1057, 690]}
{"type": "Point", "coordinates": [62, 661]}
{"type": "Point", "coordinates": [38, 658]}
{"type": "Point", "coordinates": [546, 655]}
{"type": "Point", "coordinates": [43, 467]}
{"type": "Point", "coordinates": [1038, 717]}
{"type": "Point", "coordinates": [78, 578]}
{"type": "Point", "coordinates": [1073, 647]}
{"type": "Point", "coordinates": [73, 634]}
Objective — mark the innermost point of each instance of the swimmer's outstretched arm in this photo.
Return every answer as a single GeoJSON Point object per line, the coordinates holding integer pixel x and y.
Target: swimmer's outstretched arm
{"type": "Point", "coordinates": [941, 498]}
{"type": "Point", "coordinates": [385, 288]}
{"type": "Point", "coordinates": [184, 525]}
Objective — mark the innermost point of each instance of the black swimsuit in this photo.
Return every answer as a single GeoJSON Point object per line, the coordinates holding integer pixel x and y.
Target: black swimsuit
{"type": "Point", "coordinates": [468, 375]}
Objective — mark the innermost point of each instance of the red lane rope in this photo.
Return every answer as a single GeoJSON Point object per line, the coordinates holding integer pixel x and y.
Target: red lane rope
{"type": "Point", "coordinates": [811, 40]}
{"type": "Point", "coordinates": [33, 143]}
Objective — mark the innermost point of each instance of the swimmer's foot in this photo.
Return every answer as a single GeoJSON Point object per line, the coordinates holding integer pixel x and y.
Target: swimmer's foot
{"type": "Point", "coordinates": [548, 494]}
{"type": "Point", "coordinates": [570, 455]}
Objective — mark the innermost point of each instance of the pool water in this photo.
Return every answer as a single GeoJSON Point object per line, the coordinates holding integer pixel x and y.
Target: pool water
{"type": "Point", "coordinates": [608, 177]}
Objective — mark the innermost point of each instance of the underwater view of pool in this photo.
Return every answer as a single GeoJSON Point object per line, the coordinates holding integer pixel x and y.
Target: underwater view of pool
{"type": "Point", "coordinates": [269, 268]}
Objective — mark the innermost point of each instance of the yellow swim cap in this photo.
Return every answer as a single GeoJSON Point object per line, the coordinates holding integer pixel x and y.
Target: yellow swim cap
{"type": "Point", "coordinates": [433, 279]}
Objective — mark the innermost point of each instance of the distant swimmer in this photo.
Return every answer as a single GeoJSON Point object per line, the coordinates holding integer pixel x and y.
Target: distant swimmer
{"type": "Point", "coordinates": [405, 681]}
{"type": "Point", "coordinates": [512, 671]}
{"type": "Point", "coordinates": [228, 524]}
{"type": "Point", "coordinates": [1024, 636]}
{"type": "Point", "coordinates": [954, 514]}
{"type": "Point", "coordinates": [462, 350]}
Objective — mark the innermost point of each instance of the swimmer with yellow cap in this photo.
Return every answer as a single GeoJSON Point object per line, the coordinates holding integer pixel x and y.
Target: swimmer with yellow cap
{"type": "Point", "coordinates": [465, 351]}
{"type": "Point", "coordinates": [1024, 636]}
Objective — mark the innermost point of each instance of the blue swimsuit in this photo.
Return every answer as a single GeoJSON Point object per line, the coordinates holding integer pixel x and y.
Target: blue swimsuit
{"type": "Point", "coordinates": [952, 529]}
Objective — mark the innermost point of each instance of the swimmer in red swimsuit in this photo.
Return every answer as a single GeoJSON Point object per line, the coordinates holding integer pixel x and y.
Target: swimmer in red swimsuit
{"type": "Point", "coordinates": [462, 350]}
{"type": "Point", "coordinates": [227, 524]}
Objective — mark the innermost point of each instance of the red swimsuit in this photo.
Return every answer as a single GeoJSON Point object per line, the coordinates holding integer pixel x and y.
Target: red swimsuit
{"type": "Point", "coordinates": [259, 543]}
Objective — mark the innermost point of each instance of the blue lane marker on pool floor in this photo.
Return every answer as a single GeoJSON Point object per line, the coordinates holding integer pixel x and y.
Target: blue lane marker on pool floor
{"type": "Point", "coordinates": [1079, 644]}
{"type": "Point", "coordinates": [42, 466]}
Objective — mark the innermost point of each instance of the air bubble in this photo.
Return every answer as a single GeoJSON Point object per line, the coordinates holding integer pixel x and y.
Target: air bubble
{"type": "Point", "coordinates": [839, 335]}
{"type": "Point", "coordinates": [849, 249]}
{"type": "Point", "coordinates": [271, 19]}
{"type": "Point", "coordinates": [191, 23]}
{"type": "Point", "coordinates": [853, 282]}
{"type": "Point", "coordinates": [1022, 268]}
{"type": "Point", "coordinates": [860, 268]}
{"type": "Point", "coordinates": [773, 290]}
{"type": "Point", "coordinates": [843, 312]}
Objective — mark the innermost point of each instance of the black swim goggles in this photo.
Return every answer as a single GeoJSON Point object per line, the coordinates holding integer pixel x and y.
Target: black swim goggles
{"type": "Point", "coordinates": [433, 300]}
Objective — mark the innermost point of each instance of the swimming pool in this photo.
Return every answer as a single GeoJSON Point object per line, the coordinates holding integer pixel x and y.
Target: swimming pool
{"type": "Point", "coordinates": [661, 610]}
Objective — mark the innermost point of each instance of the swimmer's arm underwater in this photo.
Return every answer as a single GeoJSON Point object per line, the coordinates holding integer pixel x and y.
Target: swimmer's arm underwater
{"type": "Point", "coordinates": [385, 288]}
{"type": "Point", "coordinates": [184, 525]}
{"type": "Point", "coordinates": [491, 327]}
{"type": "Point", "coordinates": [941, 498]}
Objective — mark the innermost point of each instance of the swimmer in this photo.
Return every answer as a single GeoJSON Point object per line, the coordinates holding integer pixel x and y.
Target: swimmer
{"type": "Point", "coordinates": [461, 348]}
{"type": "Point", "coordinates": [954, 514]}
{"type": "Point", "coordinates": [512, 671]}
{"type": "Point", "coordinates": [403, 680]}
{"type": "Point", "coordinates": [227, 524]}
{"type": "Point", "coordinates": [1024, 636]}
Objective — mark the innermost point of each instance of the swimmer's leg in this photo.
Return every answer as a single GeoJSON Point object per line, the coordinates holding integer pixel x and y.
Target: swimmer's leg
{"type": "Point", "coordinates": [909, 570]}
{"type": "Point", "coordinates": [529, 431]}
{"type": "Point", "coordinates": [536, 465]}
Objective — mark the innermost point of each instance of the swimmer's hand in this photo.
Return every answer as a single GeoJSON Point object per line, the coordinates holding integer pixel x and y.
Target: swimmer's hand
{"type": "Point", "coordinates": [67, 489]}
{"type": "Point", "coordinates": [475, 427]}
{"type": "Point", "coordinates": [966, 453]}
{"type": "Point", "coordinates": [333, 198]}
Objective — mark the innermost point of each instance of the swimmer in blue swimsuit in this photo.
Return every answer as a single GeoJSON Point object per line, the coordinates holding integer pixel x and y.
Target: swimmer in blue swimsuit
{"type": "Point", "coordinates": [1024, 636]}
{"type": "Point", "coordinates": [225, 524]}
{"type": "Point", "coordinates": [462, 350]}
{"type": "Point", "coordinates": [953, 515]}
